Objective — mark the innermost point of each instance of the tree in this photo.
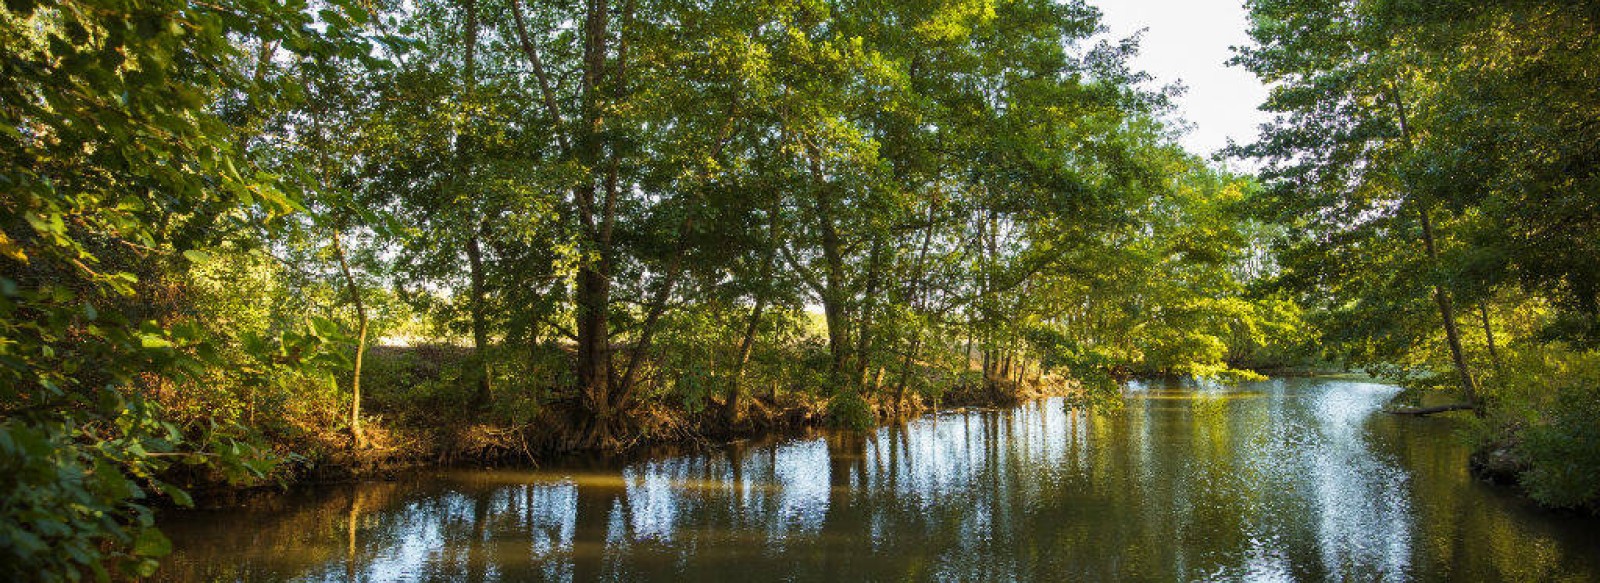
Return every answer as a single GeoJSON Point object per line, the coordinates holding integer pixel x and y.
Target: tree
{"type": "Point", "coordinates": [1341, 151]}
{"type": "Point", "coordinates": [119, 175]}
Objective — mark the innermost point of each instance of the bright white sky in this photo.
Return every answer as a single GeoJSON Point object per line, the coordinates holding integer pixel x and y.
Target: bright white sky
{"type": "Point", "coordinates": [1188, 41]}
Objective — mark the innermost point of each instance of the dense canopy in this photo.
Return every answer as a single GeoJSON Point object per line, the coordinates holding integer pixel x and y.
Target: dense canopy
{"type": "Point", "coordinates": [244, 238]}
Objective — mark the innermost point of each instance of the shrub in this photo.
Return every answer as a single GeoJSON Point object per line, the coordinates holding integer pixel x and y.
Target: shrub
{"type": "Point", "coordinates": [1563, 452]}
{"type": "Point", "coordinates": [848, 410]}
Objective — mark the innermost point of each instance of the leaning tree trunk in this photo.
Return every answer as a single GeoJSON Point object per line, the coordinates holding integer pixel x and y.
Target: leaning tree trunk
{"type": "Point", "coordinates": [1441, 297]}
{"type": "Point", "coordinates": [733, 408]}
{"type": "Point", "coordinates": [1488, 336]}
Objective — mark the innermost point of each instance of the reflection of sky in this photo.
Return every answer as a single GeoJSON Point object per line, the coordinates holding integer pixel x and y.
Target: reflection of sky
{"type": "Point", "coordinates": [653, 500]}
{"type": "Point", "coordinates": [942, 456]}
{"type": "Point", "coordinates": [1317, 466]}
{"type": "Point", "coordinates": [800, 472]}
{"type": "Point", "coordinates": [415, 545]}
{"type": "Point", "coordinates": [550, 516]}
{"type": "Point", "coordinates": [1363, 514]}
{"type": "Point", "coordinates": [1279, 483]}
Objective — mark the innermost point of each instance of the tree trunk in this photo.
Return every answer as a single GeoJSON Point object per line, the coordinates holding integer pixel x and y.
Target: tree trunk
{"type": "Point", "coordinates": [1488, 335]}
{"type": "Point", "coordinates": [1424, 411]}
{"type": "Point", "coordinates": [868, 306]}
{"type": "Point", "coordinates": [916, 298]}
{"type": "Point", "coordinates": [592, 297]}
{"type": "Point", "coordinates": [358, 439]}
{"type": "Point", "coordinates": [647, 329]}
{"type": "Point", "coordinates": [361, 341]}
{"type": "Point", "coordinates": [480, 331]}
{"type": "Point", "coordinates": [593, 358]}
{"type": "Point", "coordinates": [733, 408]}
{"type": "Point", "coordinates": [1441, 297]}
{"type": "Point", "coordinates": [833, 300]}
{"type": "Point", "coordinates": [1469, 386]}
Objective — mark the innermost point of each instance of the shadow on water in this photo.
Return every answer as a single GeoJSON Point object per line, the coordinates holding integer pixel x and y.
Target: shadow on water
{"type": "Point", "coordinates": [1280, 480]}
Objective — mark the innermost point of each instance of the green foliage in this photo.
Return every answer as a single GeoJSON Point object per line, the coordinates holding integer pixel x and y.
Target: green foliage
{"type": "Point", "coordinates": [679, 207]}
{"type": "Point", "coordinates": [848, 410]}
{"type": "Point", "coordinates": [1545, 404]}
{"type": "Point", "coordinates": [64, 502]}
{"type": "Point", "coordinates": [119, 175]}
{"type": "Point", "coordinates": [1433, 166]}
{"type": "Point", "coordinates": [1563, 452]}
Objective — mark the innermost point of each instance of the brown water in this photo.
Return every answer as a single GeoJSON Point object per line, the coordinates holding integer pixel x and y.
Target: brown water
{"type": "Point", "coordinates": [1274, 481]}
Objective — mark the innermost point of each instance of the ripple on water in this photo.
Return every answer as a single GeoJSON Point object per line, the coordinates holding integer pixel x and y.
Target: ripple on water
{"type": "Point", "coordinates": [1274, 481]}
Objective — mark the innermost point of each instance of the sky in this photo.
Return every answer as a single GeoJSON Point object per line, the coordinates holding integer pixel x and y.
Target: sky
{"type": "Point", "coordinates": [1188, 41]}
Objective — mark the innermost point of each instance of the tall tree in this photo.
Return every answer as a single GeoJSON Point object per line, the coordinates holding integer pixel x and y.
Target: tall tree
{"type": "Point", "coordinates": [1340, 152]}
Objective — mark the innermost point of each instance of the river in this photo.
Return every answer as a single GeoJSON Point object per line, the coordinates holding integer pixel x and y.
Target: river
{"type": "Point", "coordinates": [1283, 480]}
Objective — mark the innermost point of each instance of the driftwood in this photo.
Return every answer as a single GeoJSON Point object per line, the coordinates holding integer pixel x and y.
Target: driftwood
{"type": "Point", "coordinates": [1421, 411]}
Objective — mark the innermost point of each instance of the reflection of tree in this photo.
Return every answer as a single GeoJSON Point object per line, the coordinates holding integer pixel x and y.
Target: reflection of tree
{"type": "Point", "coordinates": [1478, 531]}
{"type": "Point", "coordinates": [734, 453]}
{"type": "Point", "coordinates": [1166, 488]}
{"type": "Point", "coordinates": [846, 460]}
{"type": "Point", "coordinates": [595, 501]}
{"type": "Point", "coordinates": [477, 563]}
{"type": "Point", "coordinates": [353, 520]}
{"type": "Point", "coordinates": [290, 536]}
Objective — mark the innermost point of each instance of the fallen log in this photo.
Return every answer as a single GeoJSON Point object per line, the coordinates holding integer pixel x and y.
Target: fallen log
{"type": "Point", "coordinates": [1421, 411]}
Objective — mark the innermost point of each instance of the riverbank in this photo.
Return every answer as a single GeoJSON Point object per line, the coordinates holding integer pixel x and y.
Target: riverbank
{"type": "Point", "coordinates": [406, 435]}
{"type": "Point", "coordinates": [1547, 456]}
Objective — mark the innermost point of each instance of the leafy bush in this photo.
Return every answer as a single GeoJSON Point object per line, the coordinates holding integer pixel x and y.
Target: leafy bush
{"type": "Point", "coordinates": [1563, 453]}
{"type": "Point", "coordinates": [1545, 402]}
{"type": "Point", "coordinates": [63, 502]}
{"type": "Point", "coordinates": [848, 410]}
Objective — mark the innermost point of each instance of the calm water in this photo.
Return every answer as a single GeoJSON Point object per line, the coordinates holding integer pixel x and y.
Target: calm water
{"type": "Point", "coordinates": [1275, 481]}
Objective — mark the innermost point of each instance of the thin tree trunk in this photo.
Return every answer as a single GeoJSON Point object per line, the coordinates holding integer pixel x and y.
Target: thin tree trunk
{"type": "Point", "coordinates": [734, 408]}
{"type": "Point", "coordinates": [1488, 335]}
{"type": "Point", "coordinates": [358, 440]}
{"type": "Point", "coordinates": [1441, 297]}
{"type": "Point", "coordinates": [674, 271]}
{"type": "Point", "coordinates": [868, 307]}
{"type": "Point", "coordinates": [480, 330]}
{"type": "Point", "coordinates": [361, 341]}
{"type": "Point", "coordinates": [546, 93]}
{"type": "Point", "coordinates": [919, 282]}
{"type": "Point", "coordinates": [658, 306]}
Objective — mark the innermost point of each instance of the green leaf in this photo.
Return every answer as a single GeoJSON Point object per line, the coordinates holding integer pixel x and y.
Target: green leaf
{"type": "Point", "coordinates": [151, 543]}
{"type": "Point", "coordinates": [154, 341]}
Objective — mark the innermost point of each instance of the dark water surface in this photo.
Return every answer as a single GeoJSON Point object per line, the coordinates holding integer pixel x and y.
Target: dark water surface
{"type": "Point", "coordinates": [1293, 480]}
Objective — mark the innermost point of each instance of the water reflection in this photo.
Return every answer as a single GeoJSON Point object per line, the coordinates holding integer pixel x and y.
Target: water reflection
{"type": "Point", "coordinates": [1275, 481]}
